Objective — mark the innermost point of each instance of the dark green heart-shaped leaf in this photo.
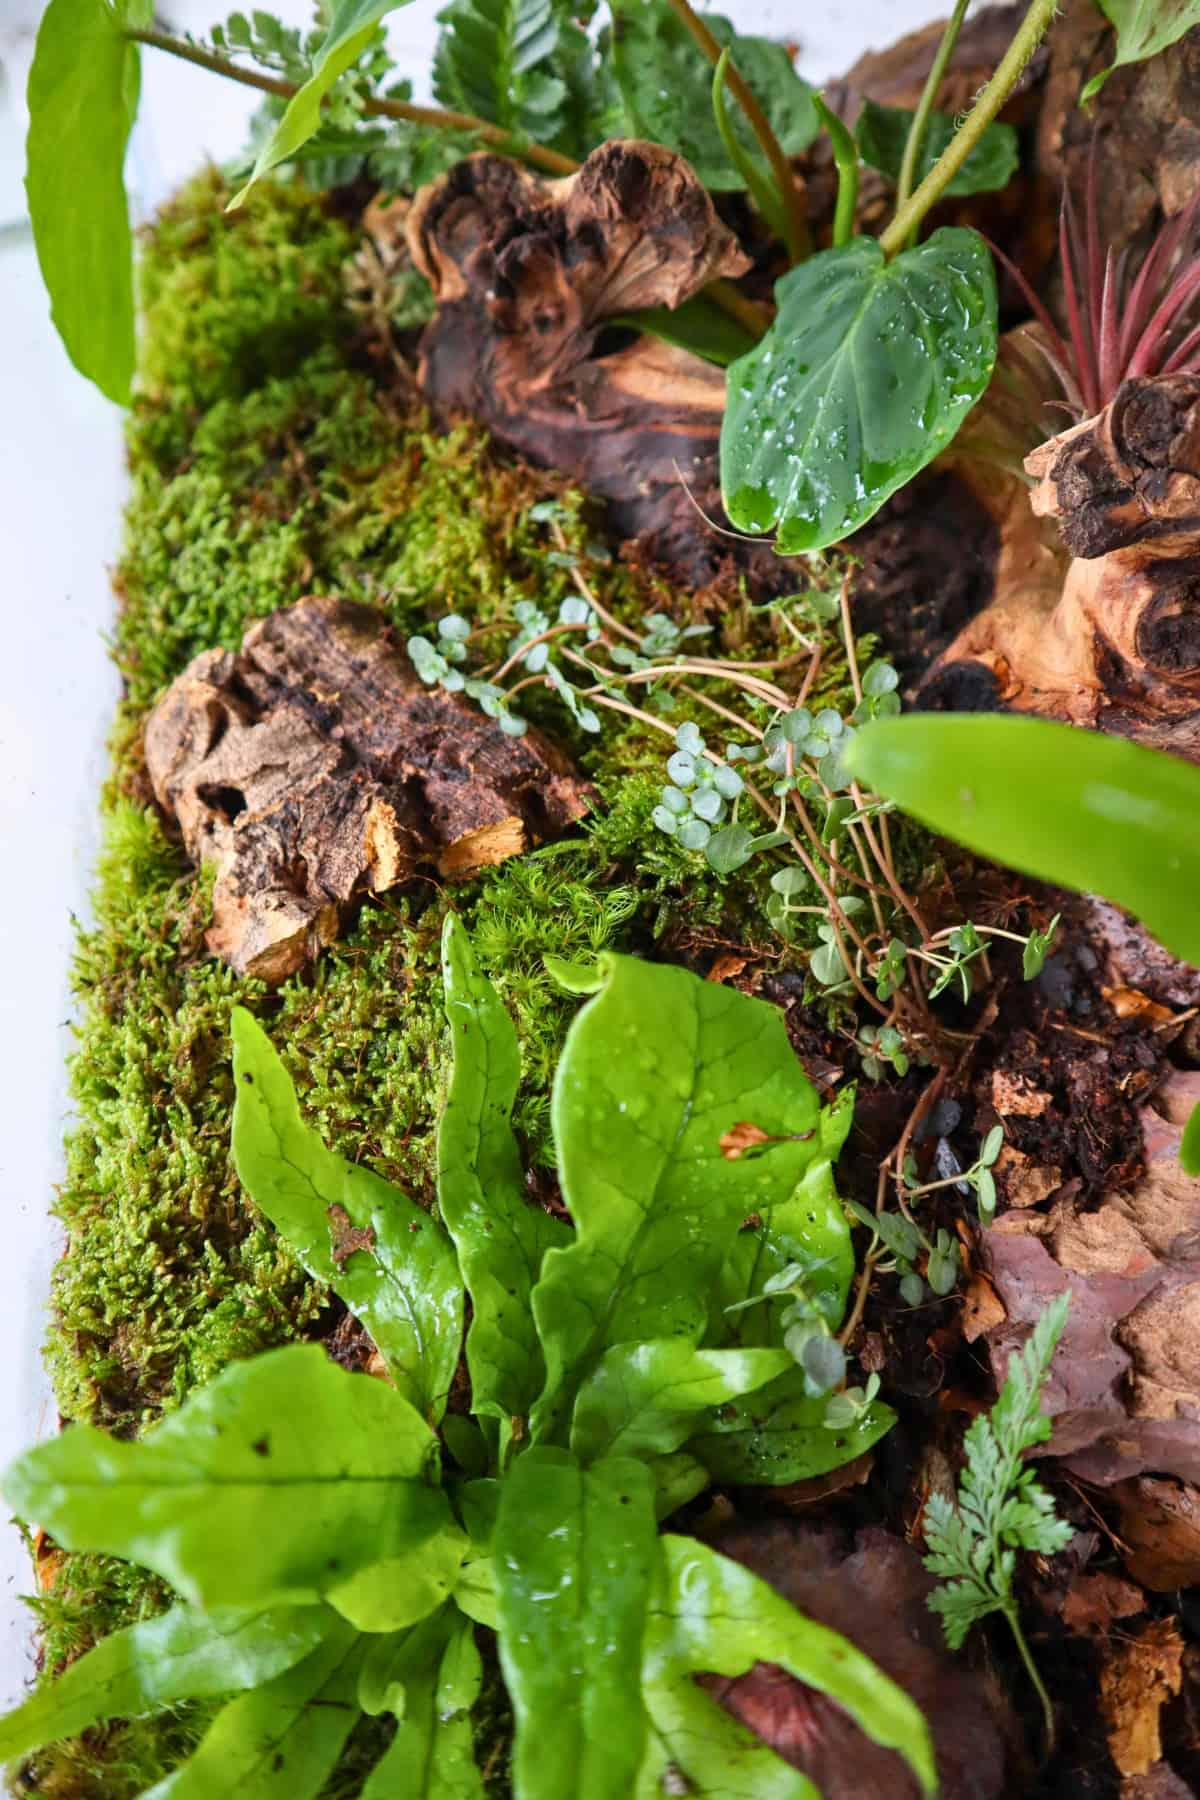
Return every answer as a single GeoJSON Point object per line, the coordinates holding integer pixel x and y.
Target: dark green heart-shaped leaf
{"type": "Point", "coordinates": [882, 133]}
{"type": "Point", "coordinates": [866, 374]}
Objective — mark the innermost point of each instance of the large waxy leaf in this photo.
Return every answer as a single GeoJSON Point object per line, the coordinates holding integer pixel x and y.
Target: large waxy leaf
{"type": "Point", "coordinates": [665, 81]}
{"type": "Point", "coordinates": [866, 374]}
{"type": "Point", "coordinates": [283, 1740]}
{"type": "Point", "coordinates": [282, 1480]}
{"type": "Point", "coordinates": [1075, 807]}
{"type": "Point", "coordinates": [882, 133]}
{"type": "Point", "coordinates": [1144, 27]}
{"type": "Point", "coordinates": [711, 1615]}
{"type": "Point", "coordinates": [500, 1237]}
{"type": "Point", "coordinates": [352, 25]}
{"type": "Point", "coordinates": [575, 1553]}
{"type": "Point", "coordinates": [183, 1655]}
{"type": "Point", "coordinates": [642, 1399]}
{"type": "Point", "coordinates": [405, 1286]}
{"type": "Point", "coordinates": [83, 96]}
{"type": "Point", "coordinates": [433, 1676]}
{"type": "Point", "coordinates": [656, 1069]}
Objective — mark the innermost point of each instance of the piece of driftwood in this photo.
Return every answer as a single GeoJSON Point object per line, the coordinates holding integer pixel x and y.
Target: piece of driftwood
{"type": "Point", "coordinates": [312, 767]}
{"type": "Point", "coordinates": [527, 273]}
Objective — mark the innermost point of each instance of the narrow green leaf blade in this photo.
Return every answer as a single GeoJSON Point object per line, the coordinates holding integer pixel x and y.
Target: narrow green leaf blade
{"type": "Point", "coordinates": [642, 1399]}
{"type": "Point", "coordinates": [438, 1674]}
{"type": "Point", "coordinates": [183, 1655]}
{"type": "Point", "coordinates": [405, 1287]}
{"type": "Point", "coordinates": [865, 376]}
{"type": "Point", "coordinates": [281, 1741]}
{"type": "Point", "coordinates": [83, 95]}
{"type": "Point", "coordinates": [656, 1069]}
{"type": "Point", "coordinates": [351, 28]}
{"type": "Point", "coordinates": [1079, 808]}
{"type": "Point", "coordinates": [882, 133]}
{"type": "Point", "coordinates": [698, 325]}
{"type": "Point", "coordinates": [575, 1553]}
{"type": "Point", "coordinates": [313, 1474]}
{"type": "Point", "coordinates": [711, 1615]}
{"type": "Point", "coordinates": [1144, 28]}
{"type": "Point", "coordinates": [500, 1237]}
{"type": "Point", "coordinates": [1189, 1145]}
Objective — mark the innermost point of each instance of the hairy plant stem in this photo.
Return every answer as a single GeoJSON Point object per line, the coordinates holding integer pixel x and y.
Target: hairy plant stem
{"type": "Point", "coordinates": [920, 125]}
{"type": "Point", "coordinates": [1009, 70]}
{"type": "Point", "coordinates": [799, 237]}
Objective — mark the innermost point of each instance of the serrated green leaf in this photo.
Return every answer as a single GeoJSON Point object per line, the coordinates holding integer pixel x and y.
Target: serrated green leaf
{"type": "Point", "coordinates": [575, 1555]}
{"type": "Point", "coordinates": [1144, 28]}
{"type": "Point", "coordinates": [282, 1740]}
{"type": "Point", "coordinates": [513, 62]}
{"type": "Point", "coordinates": [315, 1475]}
{"type": "Point", "coordinates": [642, 1399]}
{"type": "Point", "coordinates": [867, 372]}
{"type": "Point", "coordinates": [404, 1284]}
{"type": "Point", "coordinates": [1111, 818]}
{"type": "Point", "coordinates": [656, 1069]}
{"type": "Point", "coordinates": [436, 1673]}
{"type": "Point", "coordinates": [882, 133]}
{"type": "Point", "coordinates": [500, 1236]}
{"type": "Point", "coordinates": [183, 1655]}
{"type": "Point", "coordinates": [352, 25]}
{"type": "Point", "coordinates": [665, 82]}
{"type": "Point", "coordinates": [711, 1615]}
{"type": "Point", "coordinates": [83, 97]}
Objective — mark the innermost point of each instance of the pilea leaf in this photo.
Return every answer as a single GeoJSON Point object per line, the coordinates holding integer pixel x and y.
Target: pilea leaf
{"type": "Point", "coordinates": [83, 97]}
{"type": "Point", "coordinates": [390, 1262]}
{"type": "Point", "coordinates": [1144, 28]}
{"type": "Point", "coordinates": [575, 1555]}
{"type": "Point", "coordinates": [866, 374]}
{"type": "Point", "coordinates": [882, 133]}
{"type": "Point", "coordinates": [656, 1069]}
{"type": "Point", "coordinates": [500, 1236]}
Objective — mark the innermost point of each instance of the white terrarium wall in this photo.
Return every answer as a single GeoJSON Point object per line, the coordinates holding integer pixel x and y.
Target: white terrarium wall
{"type": "Point", "coordinates": [62, 482]}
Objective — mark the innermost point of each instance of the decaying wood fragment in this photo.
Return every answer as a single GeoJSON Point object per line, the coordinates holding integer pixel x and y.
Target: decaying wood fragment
{"type": "Point", "coordinates": [527, 273]}
{"type": "Point", "coordinates": [312, 767]}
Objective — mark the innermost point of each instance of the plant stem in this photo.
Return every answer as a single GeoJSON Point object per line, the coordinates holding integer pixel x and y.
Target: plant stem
{"type": "Point", "coordinates": [800, 238]}
{"type": "Point", "coordinates": [1031, 1669]}
{"type": "Point", "coordinates": [1029, 35]}
{"type": "Point", "coordinates": [436, 116]}
{"type": "Point", "coordinates": [845, 155]}
{"type": "Point", "coordinates": [920, 125]}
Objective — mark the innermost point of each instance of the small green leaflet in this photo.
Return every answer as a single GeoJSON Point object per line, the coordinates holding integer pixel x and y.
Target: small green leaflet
{"type": "Point", "coordinates": [83, 97]}
{"type": "Point", "coordinates": [500, 1236]}
{"type": "Point", "coordinates": [430, 1678]}
{"type": "Point", "coordinates": [1189, 1148]}
{"type": "Point", "coordinates": [508, 61]}
{"type": "Point", "coordinates": [1143, 27]}
{"type": "Point", "coordinates": [655, 1070]}
{"type": "Point", "coordinates": [1110, 818]}
{"type": "Point", "coordinates": [281, 1741]}
{"type": "Point", "coordinates": [315, 1476]}
{"type": "Point", "coordinates": [866, 374]}
{"type": "Point", "coordinates": [711, 1615]}
{"type": "Point", "coordinates": [182, 1655]}
{"type": "Point", "coordinates": [665, 82]}
{"type": "Point", "coordinates": [575, 1555]}
{"type": "Point", "coordinates": [403, 1280]}
{"type": "Point", "coordinates": [642, 1399]}
{"type": "Point", "coordinates": [352, 26]}
{"type": "Point", "coordinates": [882, 133]}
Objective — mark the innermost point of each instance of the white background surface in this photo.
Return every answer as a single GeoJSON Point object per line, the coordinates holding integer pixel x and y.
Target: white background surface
{"type": "Point", "coordinates": [61, 491]}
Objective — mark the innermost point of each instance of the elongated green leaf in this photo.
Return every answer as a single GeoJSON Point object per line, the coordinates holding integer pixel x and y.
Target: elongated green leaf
{"type": "Point", "coordinates": [278, 1482]}
{"type": "Point", "coordinates": [642, 1399]}
{"type": "Point", "coordinates": [665, 81]}
{"type": "Point", "coordinates": [709, 1614]}
{"type": "Point", "coordinates": [435, 1674]}
{"type": "Point", "coordinates": [403, 1280]}
{"type": "Point", "coordinates": [882, 133]}
{"type": "Point", "coordinates": [1144, 27]}
{"type": "Point", "coordinates": [866, 374]}
{"type": "Point", "coordinates": [352, 25]}
{"type": "Point", "coordinates": [500, 1237]}
{"type": "Point", "coordinates": [1189, 1145]}
{"type": "Point", "coordinates": [184, 1655]}
{"type": "Point", "coordinates": [283, 1740]}
{"type": "Point", "coordinates": [83, 96]}
{"type": "Point", "coordinates": [778, 1436]}
{"type": "Point", "coordinates": [575, 1553]}
{"type": "Point", "coordinates": [1076, 807]}
{"type": "Point", "coordinates": [698, 325]}
{"type": "Point", "coordinates": [656, 1069]}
